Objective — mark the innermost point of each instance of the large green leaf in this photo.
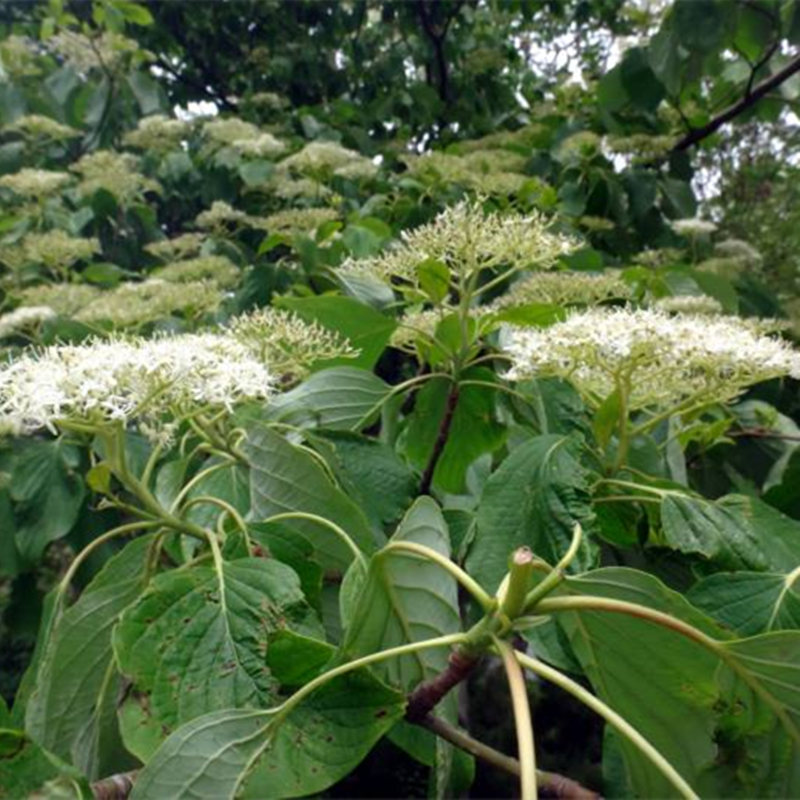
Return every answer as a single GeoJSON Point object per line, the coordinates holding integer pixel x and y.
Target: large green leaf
{"type": "Point", "coordinates": [267, 754]}
{"type": "Point", "coordinates": [370, 472]}
{"type": "Point", "coordinates": [285, 478]}
{"type": "Point", "coordinates": [71, 711]}
{"type": "Point", "coordinates": [534, 498]}
{"type": "Point", "coordinates": [230, 483]}
{"type": "Point", "coordinates": [475, 428]}
{"type": "Point", "coordinates": [725, 714]}
{"type": "Point", "coordinates": [337, 398]}
{"type": "Point", "coordinates": [49, 492]}
{"type": "Point", "coordinates": [366, 329]}
{"type": "Point", "coordinates": [736, 531]}
{"type": "Point", "coordinates": [195, 642]}
{"type": "Point", "coordinates": [750, 602]}
{"type": "Point", "coordinates": [405, 599]}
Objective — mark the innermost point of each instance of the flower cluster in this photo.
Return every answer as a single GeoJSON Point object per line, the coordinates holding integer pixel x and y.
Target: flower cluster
{"type": "Point", "coordinates": [293, 220]}
{"type": "Point", "coordinates": [149, 382]}
{"type": "Point", "coordinates": [324, 157]}
{"type": "Point", "coordinates": [417, 324]}
{"type": "Point", "coordinates": [290, 344]}
{"type": "Point", "coordinates": [265, 145]}
{"type": "Point", "coordinates": [663, 361]}
{"type": "Point", "coordinates": [287, 188]}
{"type": "Point", "coordinates": [24, 319]}
{"type": "Point", "coordinates": [54, 250]}
{"type": "Point", "coordinates": [158, 133]}
{"type": "Point", "coordinates": [132, 304]}
{"type": "Point", "coordinates": [116, 173]}
{"type": "Point", "coordinates": [36, 126]}
{"type": "Point", "coordinates": [66, 299]}
{"type": "Point", "coordinates": [689, 304]}
{"type": "Point", "coordinates": [744, 251]}
{"type": "Point", "coordinates": [218, 270]}
{"type": "Point", "coordinates": [467, 240]}
{"type": "Point", "coordinates": [693, 227]}
{"type": "Point", "coordinates": [107, 51]}
{"type": "Point", "coordinates": [565, 288]}
{"type": "Point", "coordinates": [35, 183]}
{"type": "Point", "coordinates": [484, 171]}
{"type": "Point", "coordinates": [17, 57]}
{"type": "Point", "coordinates": [221, 218]}
{"type": "Point", "coordinates": [185, 245]}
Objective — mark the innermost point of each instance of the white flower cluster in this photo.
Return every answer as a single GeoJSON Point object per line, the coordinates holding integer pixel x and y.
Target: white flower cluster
{"type": "Point", "coordinates": [485, 171]}
{"type": "Point", "coordinates": [467, 240]}
{"type": "Point", "coordinates": [246, 138]}
{"type": "Point", "coordinates": [293, 220]}
{"type": "Point", "coordinates": [149, 382]}
{"type": "Point", "coordinates": [132, 304]}
{"type": "Point", "coordinates": [689, 304]}
{"type": "Point", "coordinates": [693, 227]}
{"type": "Point", "coordinates": [23, 319]}
{"type": "Point", "coordinates": [222, 217]}
{"type": "Point", "coordinates": [664, 360]}
{"type": "Point", "coordinates": [185, 245]}
{"type": "Point", "coordinates": [744, 251]}
{"type": "Point", "coordinates": [565, 288]}
{"type": "Point", "coordinates": [324, 157]}
{"type": "Point", "coordinates": [54, 250]}
{"type": "Point", "coordinates": [290, 344]}
{"type": "Point", "coordinates": [116, 173]}
{"type": "Point", "coordinates": [37, 126]}
{"type": "Point", "coordinates": [35, 182]}
{"type": "Point", "coordinates": [218, 270]}
{"type": "Point", "coordinates": [63, 298]}
{"type": "Point", "coordinates": [158, 133]}
{"type": "Point", "coordinates": [108, 51]}
{"type": "Point", "coordinates": [17, 57]}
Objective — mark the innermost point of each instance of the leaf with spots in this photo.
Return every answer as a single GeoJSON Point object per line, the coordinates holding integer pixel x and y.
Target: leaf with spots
{"type": "Point", "coordinates": [197, 640]}
{"type": "Point", "coordinates": [298, 749]}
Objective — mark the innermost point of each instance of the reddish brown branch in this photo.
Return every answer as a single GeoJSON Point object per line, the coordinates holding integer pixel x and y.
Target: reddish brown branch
{"type": "Point", "coordinates": [750, 99]}
{"type": "Point", "coordinates": [116, 787]}
{"type": "Point", "coordinates": [429, 693]}
{"type": "Point", "coordinates": [441, 440]}
{"type": "Point", "coordinates": [764, 433]}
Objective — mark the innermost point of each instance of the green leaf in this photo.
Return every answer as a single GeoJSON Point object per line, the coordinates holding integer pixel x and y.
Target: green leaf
{"type": "Point", "coordinates": [434, 279]}
{"type": "Point", "coordinates": [366, 329]}
{"type": "Point", "coordinates": [534, 498]}
{"type": "Point", "coordinates": [737, 532]}
{"type": "Point", "coordinates": [285, 478]}
{"type": "Point", "coordinates": [196, 640]}
{"type": "Point", "coordinates": [475, 428]}
{"type": "Point", "coordinates": [338, 398]}
{"type": "Point", "coordinates": [269, 754]}
{"type": "Point", "coordinates": [750, 602]}
{"type": "Point", "coordinates": [254, 173]}
{"type": "Point", "coordinates": [49, 490]}
{"type": "Point", "coordinates": [406, 599]}
{"type": "Point", "coordinates": [606, 418]}
{"type": "Point", "coordinates": [230, 483]}
{"type": "Point", "coordinates": [371, 474]}
{"type": "Point", "coordinates": [642, 86]}
{"type": "Point", "coordinates": [72, 709]}
{"type": "Point", "coordinates": [700, 24]}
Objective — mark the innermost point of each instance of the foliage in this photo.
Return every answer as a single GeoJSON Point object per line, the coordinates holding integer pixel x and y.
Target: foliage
{"type": "Point", "coordinates": [312, 409]}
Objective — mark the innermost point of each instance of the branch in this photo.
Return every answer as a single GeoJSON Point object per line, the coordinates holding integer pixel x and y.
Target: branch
{"type": "Point", "coordinates": [426, 695]}
{"type": "Point", "coordinates": [441, 440]}
{"type": "Point", "coordinates": [116, 787]}
{"type": "Point", "coordinates": [746, 102]}
{"type": "Point", "coordinates": [764, 433]}
{"type": "Point", "coordinates": [550, 784]}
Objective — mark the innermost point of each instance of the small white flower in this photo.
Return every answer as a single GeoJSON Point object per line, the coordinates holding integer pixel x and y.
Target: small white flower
{"type": "Point", "coordinates": [693, 227]}
{"type": "Point", "coordinates": [24, 318]}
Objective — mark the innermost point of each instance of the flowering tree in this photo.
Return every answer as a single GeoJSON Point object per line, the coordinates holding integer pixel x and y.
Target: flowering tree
{"type": "Point", "coordinates": [322, 440]}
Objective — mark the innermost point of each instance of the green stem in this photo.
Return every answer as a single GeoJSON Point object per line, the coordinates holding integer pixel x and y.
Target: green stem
{"type": "Point", "coordinates": [583, 603]}
{"type": "Point", "coordinates": [621, 725]}
{"type": "Point", "coordinates": [487, 602]}
{"type": "Point", "coordinates": [512, 600]}
{"type": "Point", "coordinates": [557, 575]}
{"type": "Point", "coordinates": [223, 504]}
{"type": "Point", "coordinates": [204, 473]}
{"type": "Point", "coordinates": [522, 719]}
{"type": "Point", "coordinates": [397, 389]}
{"type": "Point", "coordinates": [623, 439]}
{"type": "Point", "coordinates": [326, 523]}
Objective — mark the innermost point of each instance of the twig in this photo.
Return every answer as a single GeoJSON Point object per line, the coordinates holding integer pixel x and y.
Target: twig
{"type": "Point", "coordinates": [116, 787]}
{"type": "Point", "coordinates": [746, 102]}
{"type": "Point", "coordinates": [441, 439]}
{"type": "Point", "coordinates": [550, 784]}
{"type": "Point", "coordinates": [426, 695]}
{"type": "Point", "coordinates": [764, 433]}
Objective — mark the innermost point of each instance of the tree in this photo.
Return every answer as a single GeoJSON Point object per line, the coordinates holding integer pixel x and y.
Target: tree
{"type": "Point", "coordinates": [410, 370]}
